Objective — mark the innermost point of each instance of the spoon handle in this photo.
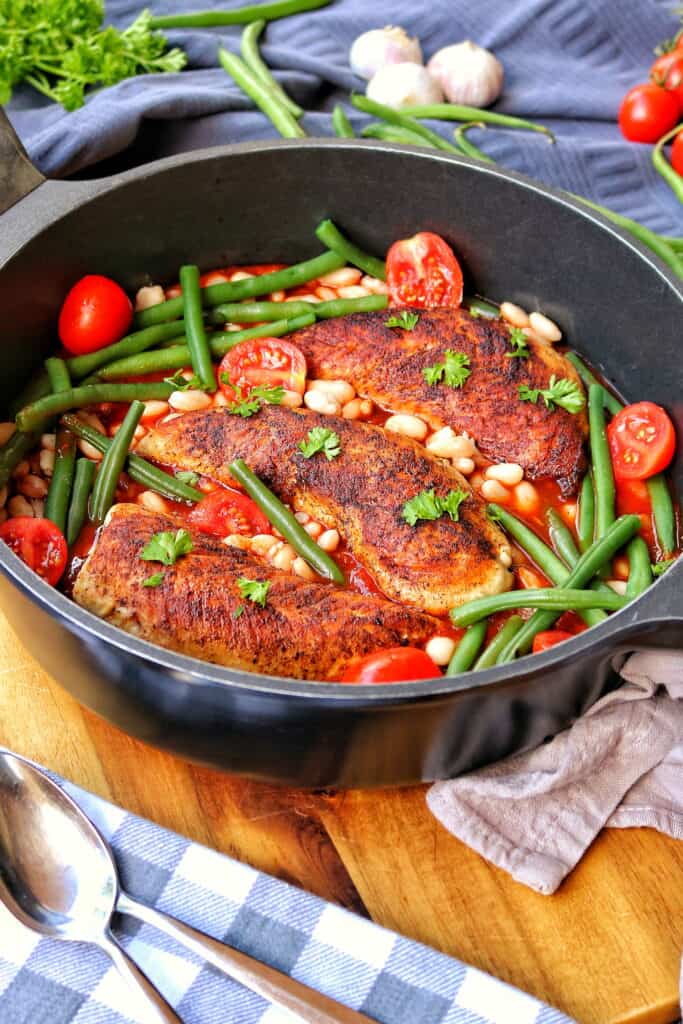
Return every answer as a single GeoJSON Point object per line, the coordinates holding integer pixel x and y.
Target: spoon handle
{"type": "Point", "coordinates": [279, 989]}
{"type": "Point", "coordinates": [158, 1010]}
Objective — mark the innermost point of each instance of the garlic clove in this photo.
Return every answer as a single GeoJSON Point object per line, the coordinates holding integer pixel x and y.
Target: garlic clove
{"type": "Point", "coordinates": [382, 46]}
{"type": "Point", "coordinates": [468, 74]}
{"type": "Point", "coordinates": [403, 85]}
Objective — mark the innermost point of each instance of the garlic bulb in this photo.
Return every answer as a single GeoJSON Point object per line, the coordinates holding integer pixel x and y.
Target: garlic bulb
{"type": "Point", "coordinates": [403, 85]}
{"type": "Point", "coordinates": [468, 74]}
{"type": "Point", "coordinates": [381, 46]}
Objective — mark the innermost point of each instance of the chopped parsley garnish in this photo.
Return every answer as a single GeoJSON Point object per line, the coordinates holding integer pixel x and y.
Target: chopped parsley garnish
{"type": "Point", "coordinates": [474, 312]}
{"type": "Point", "coordinates": [247, 405]}
{"type": "Point", "coordinates": [167, 547]}
{"type": "Point", "coordinates": [519, 342]}
{"type": "Point", "coordinates": [238, 611]}
{"type": "Point", "coordinates": [428, 505]}
{"type": "Point", "coordinates": [179, 382]}
{"type": "Point", "coordinates": [561, 392]}
{"type": "Point", "coordinates": [659, 568]}
{"type": "Point", "coordinates": [186, 476]}
{"type": "Point", "coordinates": [253, 590]}
{"type": "Point", "coordinates": [321, 439]}
{"type": "Point", "coordinates": [405, 320]}
{"type": "Point", "coordinates": [453, 371]}
{"type": "Point", "coordinates": [153, 581]}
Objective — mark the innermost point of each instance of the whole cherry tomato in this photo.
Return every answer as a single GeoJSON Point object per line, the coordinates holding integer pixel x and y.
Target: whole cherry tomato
{"type": "Point", "coordinates": [647, 112]}
{"type": "Point", "coordinates": [96, 313]}
{"type": "Point", "coordinates": [391, 666]}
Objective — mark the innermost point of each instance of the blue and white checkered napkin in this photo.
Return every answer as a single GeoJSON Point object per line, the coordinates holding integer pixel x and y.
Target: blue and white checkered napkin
{"type": "Point", "coordinates": [387, 977]}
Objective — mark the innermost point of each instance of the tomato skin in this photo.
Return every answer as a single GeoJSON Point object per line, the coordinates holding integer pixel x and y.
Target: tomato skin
{"type": "Point", "coordinates": [264, 362]}
{"type": "Point", "coordinates": [423, 271]}
{"type": "Point", "coordinates": [39, 543]}
{"type": "Point", "coordinates": [677, 150]}
{"type": "Point", "coordinates": [96, 312]}
{"type": "Point", "coordinates": [551, 637]}
{"type": "Point", "coordinates": [633, 498]}
{"type": "Point", "coordinates": [647, 112]}
{"type": "Point", "coordinates": [642, 441]}
{"type": "Point", "coordinates": [224, 512]}
{"type": "Point", "coordinates": [392, 665]}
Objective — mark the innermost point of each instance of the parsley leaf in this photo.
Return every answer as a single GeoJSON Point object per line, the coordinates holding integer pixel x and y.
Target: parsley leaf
{"type": "Point", "coordinates": [428, 505]}
{"type": "Point", "coordinates": [474, 312]}
{"type": "Point", "coordinates": [238, 611]}
{"type": "Point", "coordinates": [519, 342]}
{"type": "Point", "coordinates": [454, 370]}
{"type": "Point", "coordinates": [248, 405]}
{"type": "Point", "coordinates": [254, 590]}
{"type": "Point", "coordinates": [321, 439]}
{"type": "Point", "coordinates": [659, 568]}
{"type": "Point", "coordinates": [179, 382]}
{"type": "Point", "coordinates": [167, 547]}
{"type": "Point", "coordinates": [406, 320]}
{"type": "Point", "coordinates": [561, 392]}
{"type": "Point", "coordinates": [186, 476]}
{"type": "Point", "coordinates": [153, 581]}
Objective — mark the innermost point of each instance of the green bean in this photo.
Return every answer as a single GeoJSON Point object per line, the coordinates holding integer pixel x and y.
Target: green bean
{"type": "Point", "coordinates": [58, 374]}
{"type": "Point", "coordinates": [649, 238]}
{"type": "Point", "coordinates": [663, 513]}
{"type": "Point", "coordinates": [80, 494]}
{"type": "Point", "coordinates": [254, 60]}
{"type": "Point", "coordinates": [247, 288]}
{"type": "Point", "coordinates": [265, 99]}
{"type": "Point", "coordinates": [37, 387]}
{"type": "Point", "coordinates": [467, 650]}
{"type": "Point", "coordinates": [603, 474]}
{"type": "Point", "coordinates": [591, 562]}
{"type": "Point", "coordinates": [458, 112]}
{"type": "Point", "coordinates": [283, 520]}
{"type": "Point", "coordinates": [639, 568]}
{"type": "Point", "coordinates": [395, 133]}
{"type": "Point", "coordinates": [586, 513]}
{"type": "Point", "coordinates": [14, 450]}
{"type": "Point", "coordinates": [329, 234]}
{"type": "Point", "coordinates": [561, 538]}
{"type": "Point", "coordinates": [401, 119]}
{"type": "Point", "coordinates": [556, 599]}
{"type": "Point", "coordinates": [343, 128]}
{"type": "Point", "coordinates": [612, 404]}
{"type": "Point", "coordinates": [663, 167]}
{"type": "Point", "coordinates": [239, 15]}
{"type": "Point", "coordinates": [257, 312]}
{"type": "Point", "coordinates": [467, 147]}
{"type": "Point", "coordinates": [34, 417]}
{"type": "Point", "coordinates": [143, 472]}
{"type": "Point", "coordinates": [59, 492]}
{"type": "Point", "coordinates": [504, 635]}
{"type": "Point", "coordinates": [343, 307]}
{"type": "Point", "coordinates": [82, 366]}
{"type": "Point", "coordinates": [114, 460]}
{"type": "Point", "coordinates": [481, 306]}
{"type": "Point", "coordinates": [197, 343]}
{"type": "Point", "coordinates": [674, 243]}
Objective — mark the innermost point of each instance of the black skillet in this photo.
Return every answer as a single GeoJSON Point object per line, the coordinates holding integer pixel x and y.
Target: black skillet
{"type": "Point", "coordinates": [260, 202]}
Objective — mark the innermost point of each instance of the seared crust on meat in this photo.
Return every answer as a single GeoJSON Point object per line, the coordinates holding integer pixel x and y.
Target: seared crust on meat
{"type": "Point", "coordinates": [433, 566]}
{"type": "Point", "coordinates": [386, 364]}
{"type": "Point", "coordinates": [306, 630]}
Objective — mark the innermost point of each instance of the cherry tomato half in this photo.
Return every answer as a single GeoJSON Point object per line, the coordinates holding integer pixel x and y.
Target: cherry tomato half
{"type": "Point", "coordinates": [677, 153]}
{"type": "Point", "coordinates": [544, 641]}
{"type": "Point", "coordinates": [391, 666]}
{"type": "Point", "coordinates": [647, 112]}
{"type": "Point", "coordinates": [39, 543]}
{"type": "Point", "coordinates": [264, 362]}
{"type": "Point", "coordinates": [224, 512]}
{"type": "Point", "coordinates": [422, 271]}
{"type": "Point", "coordinates": [641, 440]}
{"type": "Point", "coordinates": [96, 312]}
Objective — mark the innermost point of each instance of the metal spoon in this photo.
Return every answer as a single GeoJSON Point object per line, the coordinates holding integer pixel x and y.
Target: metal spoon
{"type": "Point", "coordinates": [59, 878]}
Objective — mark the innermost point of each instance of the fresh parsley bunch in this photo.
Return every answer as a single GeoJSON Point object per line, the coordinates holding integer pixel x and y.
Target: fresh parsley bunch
{"type": "Point", "coordinates": [60, 48]}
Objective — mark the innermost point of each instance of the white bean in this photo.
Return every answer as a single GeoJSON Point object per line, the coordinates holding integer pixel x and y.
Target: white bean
{"type": "Point", "coordinates": [291, 399]}
{"type": "Point", "coordinates": [190, 401]}
{"type": "Point", "coordinates": [92, 420]}
{"type": "Point", "coordinates": [167, 419]}
{"type": "Point", "coordinates": [351, 410]}
{"type": "Point", "coordinates": [618, 586]}
{"type": "Point", "coordinates": [527, 497]}
{"type": "Point", "coordinates": [440, 649]}
{"type": "Point", "coordinates": [89, 450]}
{"type": "Point", "coordinates": [508, 473]}
{"type": "Point", "coordinates": [138, 434]}
{"type": "Point", "coordinates": [514, 314]}
{"type": "Point", "coordinates": [366, 408]}
{"type": "Point", "coordinates": [338, 390]}
{"type": "Point", "coordinates": [303, 569]}
{"type": "Point", "coordinates": [48, 442]}
{"type": "Point", "coordinates": [19, 506]}
{"type": "Point", "coordinates": [240, 275]}
{"type": "Point", "coordinates": [152, 501]}
{"type": "Point", "coordinates": [154, 410]}
{"type": "Point", "coordinates": [319, 401]}
{"type": "Point", "coordinates": [374, 285]}
{"type": "Point", "coordinates": [284, 558]}
{"type": "Point", "coordinates": [303, 298]}
{"type": "Point", "coordinates": [47, 462]}
{"type": "Point", "coordinates": [329, 540]}
{"type": "Point", "coordinates": [262, 543]}
{"type": "Point", "coordinates": [302, 517]}
{"type": "Point", "coordinates": [407, 426]}
{"type": "Point", "coordinates": [6, 431]}
{"type": "Point", "coordinates": [149, 295]}
{"type": "Point", "coordinates": [325, 294]}
{"type": "Point", "coordinates": [236, 540]}
{"type": "Point", "coordinates": [505, 557]}
{"type": "Point", "coordinates": [353, 291]}
{"type": "Point", "coordinates": [220, 401]}
{"type": "Point", "coordinates": [494, 491]}
{"type": "Point", "coordinates": [313, 529]}
{"type": "Point", "coordinates": [448, 445]}
{"type": "Point", "coordinates": [464, 466]}
{"type": "Point", "coordinates": [341, 278]}
{"type": "Point", "coordinates": [544, 326]}
{"type": "Point", "coordinates": [278, 296]}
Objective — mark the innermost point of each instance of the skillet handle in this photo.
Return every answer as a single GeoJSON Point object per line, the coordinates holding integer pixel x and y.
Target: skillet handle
{"type": "Point", "coordinates": [19, 176]}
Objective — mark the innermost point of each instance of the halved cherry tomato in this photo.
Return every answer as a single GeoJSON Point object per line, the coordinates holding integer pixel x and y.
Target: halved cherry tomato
{"type": "Point", "coordinates": [391, 666]}
{"type": "Point", "coordinates": [223, 512]}
{"type": "Point", "coordinates": [677, 149]}
{"type": "Point", "coordinates": [264, 362]}
{"type": "Point", "coordinates": [96, 312]}
{"type": "Point", "coordinates": [544, 641]}
{"type": "Point", "coordinates": [647, 112]}
{"type": "Point", "coordinates": [39, 543]}
{"type": "Point", "coordinates": [641, 440]}
{"type": "Point", "coordinates": [633, 498]}
{"type": "Point", "coordinates": [422, 271]}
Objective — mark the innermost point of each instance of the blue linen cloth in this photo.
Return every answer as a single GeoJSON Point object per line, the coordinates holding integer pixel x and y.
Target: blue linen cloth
{"type": "Point", "coordinates": [567, 64]}
{"type": "Point", "coordinates": [389, 978]}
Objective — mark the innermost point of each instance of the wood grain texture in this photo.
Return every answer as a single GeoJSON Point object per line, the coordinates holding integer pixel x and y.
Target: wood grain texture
{"type": "Point", "coordinates": [605, 949]}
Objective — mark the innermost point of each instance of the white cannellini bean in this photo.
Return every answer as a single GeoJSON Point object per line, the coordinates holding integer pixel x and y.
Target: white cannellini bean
{"type": "Point", "coordinates": [319, 401]}
{"type": "Point", "coordinates": [284, 558]}
{"type": "Point", "coordinates": [544, 326]}
{"type": "Point", "coordinates": [240, 275]}
{"type": "Point", "coordinates": [302, 517]}
{"type": "Point", "coordinates": [152, 501]}
{"type": "Point", "coordinates": [374, 285]}
{"type": "Point", "coordinates": [6, 431]}
{"type": "Point", "coordinates": [440, 649]}
{"type": "Point", "coordinates": [353, 291]}
{"type": "Point", "coordinates": [48, 442]}
{"type": "Point", "coordinates": [303, 569]}
{"type": "Point", "coordinates": [508, 473]}
{"type": "Point", "coordinates": [190, 401]}
{"type": "Point", "coordinates": [329, 540]}
{"type": "Point", "coordinates": [149, 295]}
{"type": "Point", "coordinates": [47, 462]}
{"type": "Point", "coordinates": [21, 469]}
{"type": "Point", "coordinates": [262, 543]}
{"type": "Point", "coordinates": [464, 466]}
{"type": "Point", "coordinates": [236, 540]}
{"type": "Point", "coordinates": [303, 298]}
{"type": "Point", "coordinates": [167, 419]}
{"type": "Point", "coordinates": [291, 399]}
{"type": "Point", "coordinates": [407, 425]}
{"type": "Point", "coordinates": [220, 401]}
{"type": "Point", "coordinates": [618, 586]}
{"type": "Point", "coordinates": [19, 506]}
{"type": "Point", "coordinates": [351, 410]}
{"type": "Point", "coordinates": [526, 496]}
{"type": "Point", "coordinates": [341, 278]}
{"type": "Point", "coordinates": [514, 314]}
{"type": "Point", "coordinates": [448, 445]}
{"type": "Point", "coordinates": [505, 557]}
{"type": "Point", "coordinates": [153, 411]}
{"type": "Point", "coordinates": [138, 434]}
{"type": "Point", "coordinates": [494, 491]}
{"type": "Point", "coordinates": [533, 335]}
{"type": "Point", "coordinates": [89, 450]}
{"type": "Point", "coordinates": [313, 529]}
{"type": "Point", "coordinates": [338, 390]}
{"type": "Point", "coordinates": [366, 407]}
{"type": "Point", "coordinates": [325, 294]}
{"type": "Point", "coordinates": [277, 296]}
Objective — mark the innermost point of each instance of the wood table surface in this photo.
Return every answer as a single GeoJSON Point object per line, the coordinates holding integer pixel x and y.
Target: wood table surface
{"type": "Point", "coordinates": [605, 949]}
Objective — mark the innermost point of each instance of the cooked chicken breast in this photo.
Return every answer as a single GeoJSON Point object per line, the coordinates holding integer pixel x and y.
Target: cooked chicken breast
{"type": "Point", "coordinates": [434, 565]}
{"type": "Point", "coordinates": [306, 630]}
{"type": "Point", "coordinates": [386, 364]}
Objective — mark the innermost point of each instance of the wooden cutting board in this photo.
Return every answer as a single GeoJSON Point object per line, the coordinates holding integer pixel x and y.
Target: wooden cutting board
{"type": "Point", "coordinates": [605, 949]}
